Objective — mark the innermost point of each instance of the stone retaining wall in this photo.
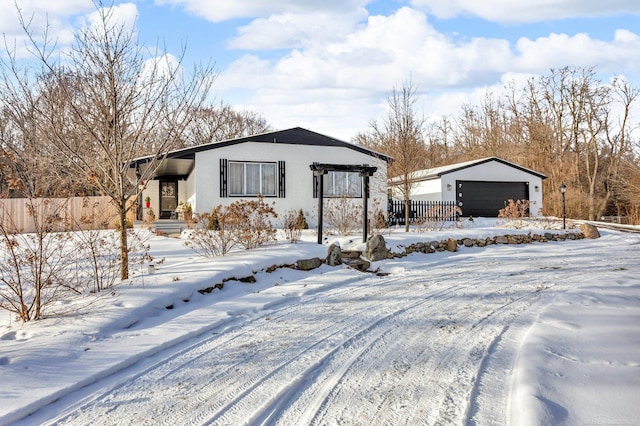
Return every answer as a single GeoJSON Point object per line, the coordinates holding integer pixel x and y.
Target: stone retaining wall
{"type": "Point", "coordinates": [452, 244]}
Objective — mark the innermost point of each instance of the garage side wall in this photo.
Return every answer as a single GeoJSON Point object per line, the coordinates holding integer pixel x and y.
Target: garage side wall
{"type": "Point", "coordinates": [426, 190]}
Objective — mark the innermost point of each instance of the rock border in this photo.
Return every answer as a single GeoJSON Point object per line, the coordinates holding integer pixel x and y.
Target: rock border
{"type": "Point", "coordinates": [452, 245]}
{"type": "Point", "coordinates": [357, 258]}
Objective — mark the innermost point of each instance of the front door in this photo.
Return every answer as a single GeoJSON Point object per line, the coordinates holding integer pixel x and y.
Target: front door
{"type": "Point", "coordinates": [168, 198]}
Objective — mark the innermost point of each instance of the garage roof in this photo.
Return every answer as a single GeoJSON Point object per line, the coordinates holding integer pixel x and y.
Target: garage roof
{"type": "Point", "coordinates": [437, 172]}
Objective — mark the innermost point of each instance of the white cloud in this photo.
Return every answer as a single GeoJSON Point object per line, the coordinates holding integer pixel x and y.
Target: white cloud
{"type": "Point", "coordinates": [54, 17]}
{"type": "Point", "coordinates": [377, 56]}
{"type": "Point", "coordinates": [37, 11]}
{"type": "Point", "coordinates": [58, 19]}
{"type": "Point", "coordinates": [122, 16]}
{"type": "Point", "coordinates": [338, 86]}
{"type": "Point", "coordinates": [229, 9]}
{"type": "Point", "coordinates": [288, 30]}
{"type": "Point", "coordinates": [559, 50]}
{"type": "Point", "coordinates": [510, 11]}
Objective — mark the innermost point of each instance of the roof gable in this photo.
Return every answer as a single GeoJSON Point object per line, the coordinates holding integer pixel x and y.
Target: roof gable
{"type": "Point", "coordinates": [461, 166]}
{"type": "Point", "coordinates": [438, 172]}
{"type": "Point", "coordinates": [293, 136]}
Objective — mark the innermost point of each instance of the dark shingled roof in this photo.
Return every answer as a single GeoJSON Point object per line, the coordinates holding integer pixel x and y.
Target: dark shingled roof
{"type": "Point", "coordinates": [294, 136]}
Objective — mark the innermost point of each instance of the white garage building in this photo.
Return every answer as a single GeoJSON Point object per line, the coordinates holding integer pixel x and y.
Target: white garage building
{"type": "Point", "coordinates": [479, 187]}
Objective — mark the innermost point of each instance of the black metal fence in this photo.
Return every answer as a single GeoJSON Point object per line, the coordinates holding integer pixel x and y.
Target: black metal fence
{"type": "Point", "coordinates": [421, 211]}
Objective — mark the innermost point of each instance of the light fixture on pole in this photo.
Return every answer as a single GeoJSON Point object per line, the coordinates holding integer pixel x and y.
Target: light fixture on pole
{"type": "Point", "coordinates": [563, 190]}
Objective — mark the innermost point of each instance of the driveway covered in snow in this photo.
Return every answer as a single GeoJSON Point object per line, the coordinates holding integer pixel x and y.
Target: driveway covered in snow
{"type": "Point", "coordinates": [481, 336]}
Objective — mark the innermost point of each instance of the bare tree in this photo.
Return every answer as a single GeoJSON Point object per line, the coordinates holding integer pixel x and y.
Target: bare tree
{"type": "Point", "coordinates": [627, 190]}
{"type": "Point", "coordinates": [401, 136]}
{"type": "Point", "coordinates": [618, 147]}
{"type": "Point", "coordinates": [211, 124]}
{"type": "Point", "coordinates": [568, 125]}
{"type": "Point", "coordinates": [132, 101]}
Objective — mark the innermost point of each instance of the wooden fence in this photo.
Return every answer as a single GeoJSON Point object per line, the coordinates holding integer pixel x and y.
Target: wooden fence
{"type": "Point", "coordinates": [421, 211]}
{"type": "Point", "coordinates": [61, 214]}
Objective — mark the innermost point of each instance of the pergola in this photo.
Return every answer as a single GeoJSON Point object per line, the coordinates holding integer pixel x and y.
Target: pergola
{"type": "Point", "coordinates": [364, 170]}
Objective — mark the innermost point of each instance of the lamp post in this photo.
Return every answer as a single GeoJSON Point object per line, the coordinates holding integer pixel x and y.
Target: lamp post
{"type": "Point", "coordinates": [563, 190]}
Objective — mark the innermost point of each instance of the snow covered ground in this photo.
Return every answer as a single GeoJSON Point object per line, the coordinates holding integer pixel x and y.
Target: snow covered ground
{"type": "Point", "coordinates": [543, 333]}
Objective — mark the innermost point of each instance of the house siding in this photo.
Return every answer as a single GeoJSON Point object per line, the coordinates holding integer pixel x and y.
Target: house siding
{"type": "Point", "coordinates": [298, 177]}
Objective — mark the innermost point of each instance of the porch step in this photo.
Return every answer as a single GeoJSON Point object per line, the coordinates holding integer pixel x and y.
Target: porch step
{"type": "Point", "coordinates": [168, 226]}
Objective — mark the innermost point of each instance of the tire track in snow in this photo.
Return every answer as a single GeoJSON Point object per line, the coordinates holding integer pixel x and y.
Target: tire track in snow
{"type": "Point", "coordinates": [294, 370]}
{"type": "Point", "coordinates": [316, 382]}
{"type": "Point", "coordinates": [337, 356]}
{"type": "Point", "coordinates": [398, 393]}
{"type": "Point", "coordinates": [109, 402]}
{"type": "Point", "coordinates": [176, 356]}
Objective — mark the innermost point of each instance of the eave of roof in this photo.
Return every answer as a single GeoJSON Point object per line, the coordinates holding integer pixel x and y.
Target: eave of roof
{"type": "Point", "coordinates": [293, 136]}
{"type": "Point", "coordinates": [437, 172]}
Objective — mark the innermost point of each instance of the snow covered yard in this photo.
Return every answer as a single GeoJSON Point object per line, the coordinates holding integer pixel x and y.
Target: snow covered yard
{"type": "Point", "coordinates": [544, 333]}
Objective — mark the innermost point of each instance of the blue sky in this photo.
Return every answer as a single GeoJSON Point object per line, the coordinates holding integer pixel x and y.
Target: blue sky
{"type": "Point", "coordinates": [328, 65]}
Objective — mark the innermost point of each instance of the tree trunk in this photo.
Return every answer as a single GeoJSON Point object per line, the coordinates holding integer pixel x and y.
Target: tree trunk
{"type": "Point", "coordinates": [407, 204]}
{"type": "Point", "coordinates": [124, 246]}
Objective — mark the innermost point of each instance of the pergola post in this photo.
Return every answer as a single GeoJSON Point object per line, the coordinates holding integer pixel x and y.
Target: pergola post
{"type": "Point", "coordinates": [365, 209]}
{"type": "Point", "coordinates": [320, 180]}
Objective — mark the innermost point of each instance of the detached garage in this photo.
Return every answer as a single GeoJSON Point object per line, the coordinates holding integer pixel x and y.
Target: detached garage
{"type": "Point", "coordinates": [480, 187]}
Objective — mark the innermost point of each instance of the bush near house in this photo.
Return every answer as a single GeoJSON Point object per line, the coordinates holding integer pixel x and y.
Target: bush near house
{"type": "Point", "coordinates": [293, 223]}
{"type": "Point", "coordinates": [246, 223]}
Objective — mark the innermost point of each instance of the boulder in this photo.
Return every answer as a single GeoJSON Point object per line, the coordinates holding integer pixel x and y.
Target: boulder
{"type": "Point", "coordinates": [452, 245]}
{"type": "Point", "coordinates": [589, 230]}
{"type": "Point", "coordinates": [359, 264]}
{"type": "Point", "coordinates": [501, 239]}
{"type": "Point", "coordinates": [350, 254]}
{"type": "Point", "coordinates": [308, 264]}
{"type": "Point", "coordinates": [334, 255]}
{"type": "Point", "coordinates": [376, 248]}
{"type": "Point", "coordinates": [468, 242]}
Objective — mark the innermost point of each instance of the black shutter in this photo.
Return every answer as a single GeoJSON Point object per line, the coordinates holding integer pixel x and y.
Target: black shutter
{"type": "Point", "coordinates": [223, 178]}
{"type": "Point", "coordinates": [281, 180]}
{"type": "Point", "coordinates": [315, 186]}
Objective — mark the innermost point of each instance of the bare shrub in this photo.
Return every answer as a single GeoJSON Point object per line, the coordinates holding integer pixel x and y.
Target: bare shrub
{"type": "Point", "coordinates": [250, 222]}
{"type": "Point", "coordinates": [301, 220]}
{"type": "Point", "coordinates": [515, 211]}
{"type": "Point", "coordinates": [35, 271]}
{"type": "Point", "coordinates": [99, 250]}
{"type": "Point", "coordinates": [343, 215]}
{"type": "Point", "coordinates": [293, 223]}
{"type": "Point", "coordinates": [99, 254]}
{"type": "Point", "coordinates": [246, 223]}
{"type": "Point", "coordinates": [210, 236]}
{"type": "Point", "coordinates": [41, 269]}
{"type": "Point", "coordinates": [437, 218]}
{"type": "Point", "coordinates": [378, 218]}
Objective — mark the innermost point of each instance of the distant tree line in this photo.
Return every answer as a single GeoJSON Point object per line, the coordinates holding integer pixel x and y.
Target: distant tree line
{"type": "Point", "coordinates": [568, 125]}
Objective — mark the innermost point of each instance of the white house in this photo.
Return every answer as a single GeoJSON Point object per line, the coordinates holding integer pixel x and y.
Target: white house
{"type": "Point", "coordinates": [479, 187]}
{"type": "Point", "coordinates": [275, 165]}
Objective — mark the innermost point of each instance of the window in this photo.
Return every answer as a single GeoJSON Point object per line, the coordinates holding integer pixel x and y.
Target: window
{"type": "Point", "coordinates": [252, 179]}
{"type": "Point", "coordinates": [342, 184]}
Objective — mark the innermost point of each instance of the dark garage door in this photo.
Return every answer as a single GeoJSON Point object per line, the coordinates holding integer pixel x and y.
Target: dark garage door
{"type": "Point", "coordinates": [484, 199]}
